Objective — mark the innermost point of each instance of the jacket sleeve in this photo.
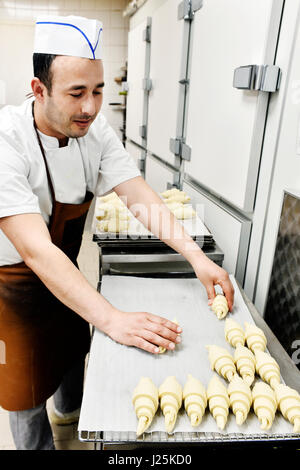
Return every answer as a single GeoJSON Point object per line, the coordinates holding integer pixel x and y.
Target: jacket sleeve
{"type": "Point", "coordinates": [116, 164]}
{"type": "Point", "coordinates": [16, 195]}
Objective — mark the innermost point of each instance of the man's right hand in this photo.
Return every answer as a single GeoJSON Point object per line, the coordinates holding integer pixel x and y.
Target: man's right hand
{"type": "Point", "coordinates": [143, 330]}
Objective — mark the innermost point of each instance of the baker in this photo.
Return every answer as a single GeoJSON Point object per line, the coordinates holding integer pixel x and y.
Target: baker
{"type": "Point", "coordinates": [56, 152]}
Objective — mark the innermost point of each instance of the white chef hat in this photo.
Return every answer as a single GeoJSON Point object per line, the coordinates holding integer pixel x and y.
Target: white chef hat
{"type": "Point", "coordinates": [68, 35]}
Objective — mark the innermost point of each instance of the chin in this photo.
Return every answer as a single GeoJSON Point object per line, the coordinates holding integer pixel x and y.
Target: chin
{"type": "Point", "coordinates": [78, 133]}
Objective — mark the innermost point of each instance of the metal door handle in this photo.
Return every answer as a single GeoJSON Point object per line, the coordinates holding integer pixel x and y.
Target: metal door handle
{"type": "Point", "coordinates": [257, 77]}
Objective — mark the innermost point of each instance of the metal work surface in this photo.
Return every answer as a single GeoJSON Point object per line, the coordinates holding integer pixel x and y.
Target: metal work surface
{"type": "Point", "coordinates": [107, 414]}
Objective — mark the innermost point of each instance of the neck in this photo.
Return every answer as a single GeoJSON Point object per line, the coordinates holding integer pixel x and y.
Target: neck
{"type": "Point", "coordinates": [44, 127]}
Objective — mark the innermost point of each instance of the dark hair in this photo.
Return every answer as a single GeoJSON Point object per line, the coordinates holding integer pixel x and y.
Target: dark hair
{"type": "Point", "coordinates": [42, 69]}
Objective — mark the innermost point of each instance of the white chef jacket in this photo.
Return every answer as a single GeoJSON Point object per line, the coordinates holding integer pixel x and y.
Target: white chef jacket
{"type": "Point", "coordinates": [96, 162]}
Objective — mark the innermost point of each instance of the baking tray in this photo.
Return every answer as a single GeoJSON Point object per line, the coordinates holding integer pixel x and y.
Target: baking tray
{"type": "Point", "coordinates": [107, 415]}
{"type": "Point", "coordinates": [137, 234]}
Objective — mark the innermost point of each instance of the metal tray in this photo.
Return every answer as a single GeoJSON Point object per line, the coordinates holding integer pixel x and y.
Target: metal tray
{"type": "Point", "coordinates": [290, 375]}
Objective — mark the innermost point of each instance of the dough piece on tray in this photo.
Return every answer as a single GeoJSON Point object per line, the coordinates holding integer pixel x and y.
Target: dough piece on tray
{"type": "Point", "coordinates": [112, 213]}
{"type": "Point", "coordinates": [170, 192]}
{"type": "Point", "coordinates": [145, 401]}
{"type": "Point", "coordinates": [170, 395]}
{"type": "Point", "coordinates": [111, 197]}
{"type": "Point", "coordinates": [195, 400]}
{"type": "Point", "coordinates": [240, 399]}
{"type": "Point", "coordinates": [255, 337]}
{"type": "Point", "coordinates": [234, 333]}
{"type": "Point", "coordinates": [104, 205]}
{"type": "Point", "coordinates": [184, 213]}
{"type": "Point", "coordinates": [267, 368]}
{"type": "Point", "coordinates": [288, 401]}
{"type": "Point", "coordinates": [178, 197]}
{"type": "Point", "coordinates": [161, 348]}
{"type": "Point", "coordinates": [174, 205]}
{"type": "Point", "coordinates": [113, 200]}
{"type": "Point", "coordinates": [102, 225]}
{"type": "Point", "coordinates": [117, 225]}
{"type": "Point", "coordinates": [218, 401]}
{"type": "Point", "coordinates": [220, 306]}
{"type": "Point", "coordinates": [245, 363]}
{"type": "Point", "coordinates": [264, 404]}
{"type": "Point", "coordinates": [112, 225]}
{"type": "Point", "coordinates": [221, 361]}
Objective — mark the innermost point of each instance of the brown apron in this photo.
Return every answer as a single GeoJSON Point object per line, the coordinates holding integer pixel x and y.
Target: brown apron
{"type": "Point", "coordinates": [43, 338]}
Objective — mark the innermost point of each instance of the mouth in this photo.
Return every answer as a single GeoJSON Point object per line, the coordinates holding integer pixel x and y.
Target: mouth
{"type": "Point", "coordinates": [82, 123]}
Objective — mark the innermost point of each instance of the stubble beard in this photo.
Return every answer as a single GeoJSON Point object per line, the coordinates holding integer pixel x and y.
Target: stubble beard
{"type": "Point", "coordinates": [62, 124]}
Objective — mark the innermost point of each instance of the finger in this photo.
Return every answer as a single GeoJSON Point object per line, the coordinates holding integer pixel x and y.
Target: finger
{"type": "Point", "coordinates": [162, 331]}
{"type": "Point", "coordinates": [165, 322]}
{"type": "Point", "coordinates": [228, 291]}
{"type": "Point", "coordinates": [211, 294]}
{"type": "Point", "coordinates": [141, 343]}
{"type": "Point", "coordinates": [158, 340]}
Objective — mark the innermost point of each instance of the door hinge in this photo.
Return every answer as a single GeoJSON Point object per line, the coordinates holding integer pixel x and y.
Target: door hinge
{"type": "Point", "coordinates": [184, 81]}
{"type": "Point", "coordinates": [185, 11]}
{"type": "Point", "coordinates": [141, 165]}
{"type": "Point", "coordinates": [147, 84]}
{"type": "Point", "coordinates": [147, 33]}
{"type": "Point", "coordinates": [180, 149]}
{"type": "Point", "coordinates": [143, 131]}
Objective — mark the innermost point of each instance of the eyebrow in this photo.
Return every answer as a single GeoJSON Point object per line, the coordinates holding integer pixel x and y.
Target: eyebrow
{"type": "Point", "coordinates": [83, 87]}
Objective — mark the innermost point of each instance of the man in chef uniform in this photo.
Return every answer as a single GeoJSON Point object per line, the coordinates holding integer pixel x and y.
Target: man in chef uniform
{"type": "Point", "coordinates": [56, 152]}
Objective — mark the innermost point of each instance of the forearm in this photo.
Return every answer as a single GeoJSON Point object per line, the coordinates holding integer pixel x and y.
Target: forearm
{"type": "Point", "coordinates": [29, 234]}
{"type": "Point", "coordinates": [67, 283]}
{"type": "Point", "coordinates": [149, 209]}
{"type": "Point", "coordinates": [147, 206]}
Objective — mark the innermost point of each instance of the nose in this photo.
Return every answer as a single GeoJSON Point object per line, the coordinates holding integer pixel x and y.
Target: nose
{"type": "Point", "coordinates": [88, 106]}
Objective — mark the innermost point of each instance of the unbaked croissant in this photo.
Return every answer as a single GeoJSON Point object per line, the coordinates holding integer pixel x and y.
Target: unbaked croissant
{"type": "Point", "coordinates": [245, 363]}
{"type": "Point", "coordinates": [240, 399]}
{"type": "Point", "coordinates": [111, 197]}
{"type": "Point", "coordinates": [170, 192]}
{"type": "Point", "coordinates": [234, 333]}
{"type": "Point", "coordinates": [288, 401]}
{"type": "Point", "coordinates": [174, 205]}
{"type": "Point", "coordinates": [102, 225]}
{"type": "Point", "coordinates": [170, 395]}
{"type": "Point", "coordinates": [264, 404]}
{"type": "Point", "coordinates": [267, 368]}
{"type": "Point", "coordinates": [184, 213]}
{"type": "Point", "coordinates": [220, 306]}
{"type": "Point", "coordinates": [195, 401]}
{"type": "Point", "coordinates": [145, 401]}
{"type": "Point", "coordinates": [222, 361]}
{"type": "Point", "coordinates": [218, 401]}
{"type": "Point", "coordinates": [178, 197]}
{"type": "Point", "coordinates": [255, 337]}
{"type": "Point", "coordinates": [117, 225]}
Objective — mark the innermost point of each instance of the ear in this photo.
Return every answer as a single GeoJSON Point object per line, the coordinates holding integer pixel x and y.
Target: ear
{"type": "Point", "coordinates": [39, 89]}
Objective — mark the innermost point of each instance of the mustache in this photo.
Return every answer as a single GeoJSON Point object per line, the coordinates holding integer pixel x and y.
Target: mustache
{"type": "Point", "coordinates": [84, 117]}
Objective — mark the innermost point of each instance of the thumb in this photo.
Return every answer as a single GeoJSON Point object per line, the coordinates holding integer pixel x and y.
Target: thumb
{"type": "Point", "coordinates": [211, 294]}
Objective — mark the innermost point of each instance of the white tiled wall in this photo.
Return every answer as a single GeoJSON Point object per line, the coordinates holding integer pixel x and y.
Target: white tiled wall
{"type": "Point", "coordinates": [17, 19]}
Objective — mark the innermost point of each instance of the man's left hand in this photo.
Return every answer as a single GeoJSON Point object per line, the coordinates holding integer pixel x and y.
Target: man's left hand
{"type": "Point", "coordinates": [210, 274]}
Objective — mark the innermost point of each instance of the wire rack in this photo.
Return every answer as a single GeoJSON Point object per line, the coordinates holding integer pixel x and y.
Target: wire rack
{"type": "Point", "coordinates": [158, 437]}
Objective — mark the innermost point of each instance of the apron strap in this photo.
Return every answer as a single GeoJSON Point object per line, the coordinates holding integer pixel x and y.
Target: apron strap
{"type": "Point", "coordinates": [45, 159]}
